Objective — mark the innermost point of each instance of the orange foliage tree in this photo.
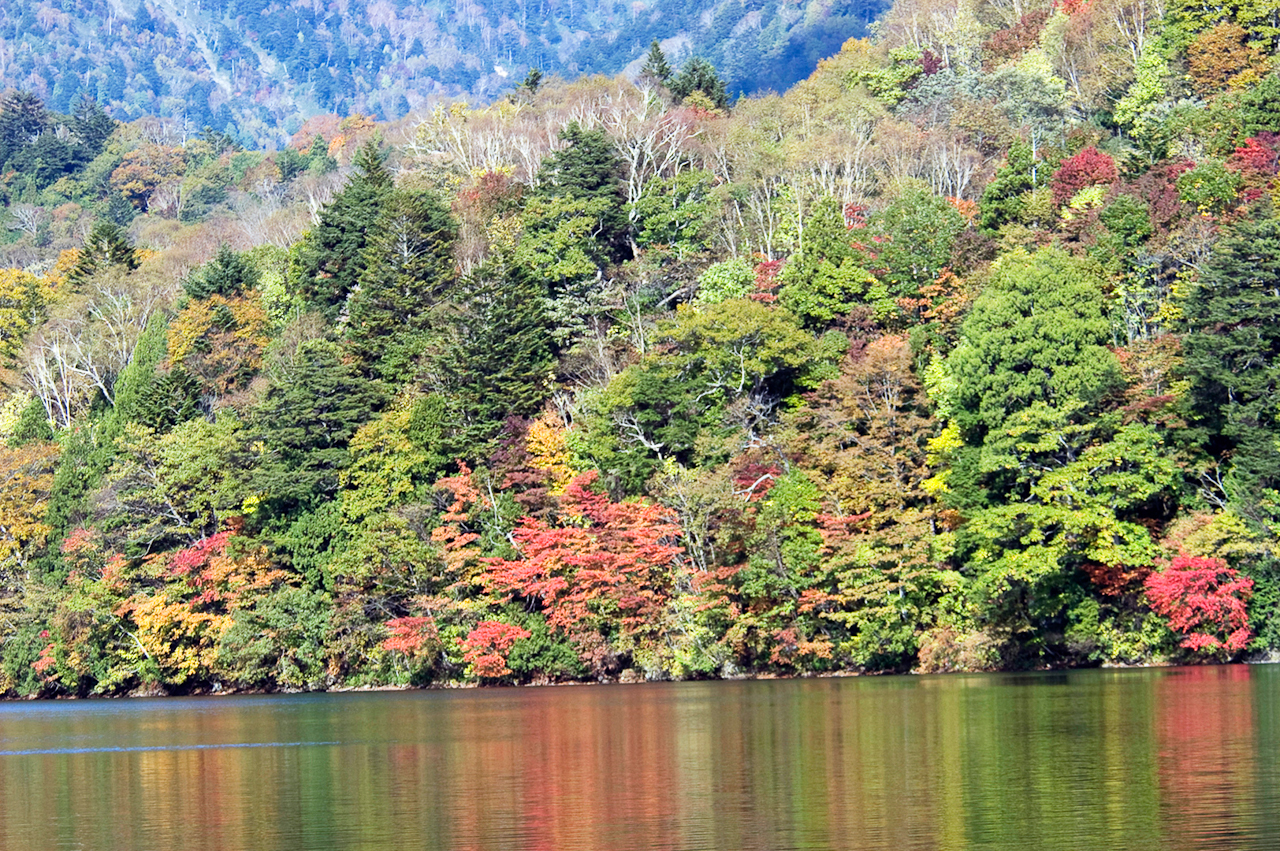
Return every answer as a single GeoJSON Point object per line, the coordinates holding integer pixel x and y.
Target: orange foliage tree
{"type": "Point", "coordinates": [603, 574]}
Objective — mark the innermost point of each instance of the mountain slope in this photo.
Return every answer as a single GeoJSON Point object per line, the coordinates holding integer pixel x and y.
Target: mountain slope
{"type": "Point", "coordinates": [261, 67]}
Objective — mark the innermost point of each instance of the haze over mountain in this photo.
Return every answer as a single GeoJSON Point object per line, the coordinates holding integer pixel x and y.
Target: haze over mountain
{"type": "Point", "coordinates": [260, 68]}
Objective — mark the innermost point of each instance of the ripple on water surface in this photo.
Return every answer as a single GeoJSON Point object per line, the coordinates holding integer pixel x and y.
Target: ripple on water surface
{"type": "Point", "coordinates": [1164, 759]}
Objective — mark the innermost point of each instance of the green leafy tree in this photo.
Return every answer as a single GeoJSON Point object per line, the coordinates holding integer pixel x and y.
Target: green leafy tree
{"type": "Point", "coordinates": [1037, 334]}
{"type": "Point", "coordinates": [178, 487]}
{"type": "Point", "coordinates": [921, 229]}
{"type": "Point", "coordinates": [715, 376]}
{"type": "Point", "coordinates": [677, 212]}
{"type": "Point", "coordinates": [827, 277]}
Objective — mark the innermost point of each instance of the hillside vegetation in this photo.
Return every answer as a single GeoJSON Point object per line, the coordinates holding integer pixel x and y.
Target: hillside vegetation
{"type": "Point", "coordinates": [258, 69]}
{"type": "Point", "coordinates": [960, 355]}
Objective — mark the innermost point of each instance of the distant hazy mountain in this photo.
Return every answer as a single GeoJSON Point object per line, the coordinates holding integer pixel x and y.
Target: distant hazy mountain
{"type": "Point", "coordinates": [261, 67]}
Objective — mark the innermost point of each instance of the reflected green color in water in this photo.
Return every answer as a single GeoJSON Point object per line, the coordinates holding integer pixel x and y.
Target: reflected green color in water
{"type": "Point", "coordinates": [1151, 759]}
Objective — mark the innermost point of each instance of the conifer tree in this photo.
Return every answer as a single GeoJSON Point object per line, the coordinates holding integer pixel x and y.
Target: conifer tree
{"type": "Point", "coordinates": [332, 258]}
{"type": "Point", "coordinates": [227, 274]}
{"type": "Point", "coordinates": [91, 125]}
{"type": "Point", "coordinates": [107, 245]}
{"type": "Point", "coordinates": [699, 75]}
{"type": "Point", "coordinates": [655, 64]}
{"type": "Point", "coordinates": [585, 173]}
{"type": "Point", "coordinates": [305, 424]}
{"type": "Point", "coordinates": [497, 358]}
{"type": "Point", "coordinates": [408, 267]}
{"type": "Point", "coordinates": [1233, 358]}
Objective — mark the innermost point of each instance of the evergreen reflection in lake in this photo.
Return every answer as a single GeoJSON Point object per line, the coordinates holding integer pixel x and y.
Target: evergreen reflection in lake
{"type": "Point", "coordinates": [1150, 759]}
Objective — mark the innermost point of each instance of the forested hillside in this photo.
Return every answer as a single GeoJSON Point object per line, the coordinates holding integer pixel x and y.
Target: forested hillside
{"type": "Point", "coordinates": [960, 355]}
{"type": "Point", "coordinates": [258, 69]}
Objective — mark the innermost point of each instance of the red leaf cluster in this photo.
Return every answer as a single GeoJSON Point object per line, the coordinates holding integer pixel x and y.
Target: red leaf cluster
{"type": "Point", "coordinates": [602, 562]}
{"type": "Point", "coordinates": [1204, 600]}
{"type": "Point", "coordinates": [486, 647]}
{"type": "Point", "coordinates": [1256, 161]}
{"type": "Point", "coordinates": [766, 290]}
{"type": "Point", "coordinates": [1090, 167]}
{"type": "Point", "coordinates": [410, 635]}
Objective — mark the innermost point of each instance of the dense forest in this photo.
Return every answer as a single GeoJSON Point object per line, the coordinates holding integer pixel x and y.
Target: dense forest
{"type": "Point", "coordinates": [258, 69]}
{"type": "Point", "coordinates": [960, 355]}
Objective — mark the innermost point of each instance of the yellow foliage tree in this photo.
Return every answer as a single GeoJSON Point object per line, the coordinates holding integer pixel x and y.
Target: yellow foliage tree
{"type": "Point", "coordinates": [23, 299]}
{"type": "Point", "coordinates": [220, 340]}
{"type": "Point", "coordinates": [549, 450]}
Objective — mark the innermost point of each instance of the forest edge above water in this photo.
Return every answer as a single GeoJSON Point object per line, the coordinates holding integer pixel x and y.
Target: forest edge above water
{"type": "Point", "coordinates": [960, 355]}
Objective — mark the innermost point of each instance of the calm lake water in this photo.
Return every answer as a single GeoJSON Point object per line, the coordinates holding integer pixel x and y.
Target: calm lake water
{"type": "Point", "coordinates": [1185, 758]}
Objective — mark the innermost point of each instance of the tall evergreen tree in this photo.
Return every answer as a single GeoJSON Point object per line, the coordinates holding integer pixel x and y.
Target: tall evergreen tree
{"type": "Point", "coordinates": [22, 118]}
{"type": "Point", "coordinates": [305, 424]}
{"type": "Point", "coordinates": [228, 273]}
{"type": "Point", "coordinates": [1233, 358]}
{"type": "Point", "coordinates": [586, 172]}
{"type": "Point", "coordinates": [91, 125]}
{"type": "Point", "coordinates": [107, 245]}
{"type": "Point", "coordinates": [332, 257]}
{"type": "Point", "coordinates": [408, 267]}
{"type": "Point", "coordinates": [496, 359]}
{"type": "Point", "coordinates": [655, 64]}
{"type": "Point", "coordinates": [699, 75]}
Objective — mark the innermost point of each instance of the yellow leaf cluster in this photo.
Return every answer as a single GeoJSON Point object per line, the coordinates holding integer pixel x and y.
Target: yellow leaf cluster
{"type": "Point", "coordinates": [26, 476]}
{"type": "Point", "coordinates": [179, 639]}
{"type": "Point", "coordinates": [219, 351]}
{"type": "Point", "coordinates": [23, 299]}
{"type": "Point", "coordinates": [549, 450]}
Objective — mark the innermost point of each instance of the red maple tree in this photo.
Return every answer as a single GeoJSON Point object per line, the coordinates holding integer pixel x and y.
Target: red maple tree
{"type": "Point", "coordinates": [600, 564]}
{"type": "Point", "coordinates": [1090, 167]}
{"type": "Point", "coordinates": [1204, 600]}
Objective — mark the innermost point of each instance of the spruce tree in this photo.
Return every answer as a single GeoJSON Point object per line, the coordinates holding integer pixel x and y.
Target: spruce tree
{"type": "Point", "coordinates": [655, 64]}
{"type": "Point", "coordinates": [699, 75]}
{"type": "Point", "coordinates": [107, 245]}
{"type": "Point", "coordinates": [496, 360]}
{"type": "Point", "coordinates": [227, 274]}
{"type": "Point", "coordinates": [587, 171]}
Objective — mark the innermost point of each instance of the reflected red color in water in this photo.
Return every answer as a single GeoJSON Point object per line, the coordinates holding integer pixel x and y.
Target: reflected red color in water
{"type": "Point", "coordinates": [1206, 749]}
{"type": "Point", "coordinates": [1129, 760]}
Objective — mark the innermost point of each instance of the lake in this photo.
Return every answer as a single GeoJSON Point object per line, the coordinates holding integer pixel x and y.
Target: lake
{"type": "Point", "coordinates": [1174, 758]}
